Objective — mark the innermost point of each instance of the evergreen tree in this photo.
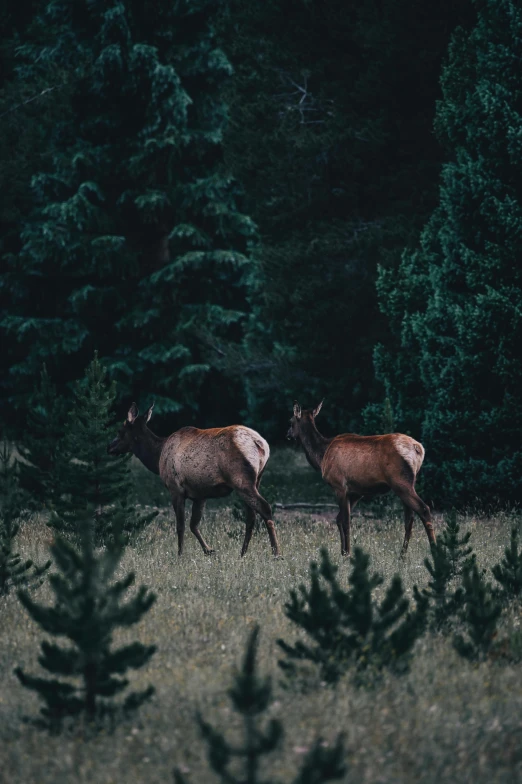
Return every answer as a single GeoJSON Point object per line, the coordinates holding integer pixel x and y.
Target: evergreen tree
{"type": "Point", "coordinates": [509, 571]}
{"type": "Point", "coordinates": [350, 629]}
{"type": "Point", "coordinates": [251, 697]}
{"type": "Point", "coordinates": [14, 570]}
{"type": "Point", "coordinates": [136, 243]}
{"type": "Point", "coordinates": [88, 607]}
{"type": "Point", "coordinates": [455, 376]}
{"type": "Point", "coordinates": [94, 486]}
{"type": "Point", "coordinates": [480, 614]}
{"type": "Point", "coordinates": [41, 443]}
{"type": "Point", "coordinates": [450, 556]}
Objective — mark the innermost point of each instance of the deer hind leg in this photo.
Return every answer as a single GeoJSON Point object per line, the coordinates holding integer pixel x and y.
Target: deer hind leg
{"type": "Point", "coordinates": [257, 504]}
{"type": "Point", "coordinates": [179, 510]}
{"type": "Point", "coordinates": [195, 519]}
{"type": "Point", "coordinates": [343, 523]}
{"type": "Point", "coordinates": [250, 522]}
{"type": "Point", "coordinates": [408, 525]}
{"type": "Point", "coordinates": [410, 499]}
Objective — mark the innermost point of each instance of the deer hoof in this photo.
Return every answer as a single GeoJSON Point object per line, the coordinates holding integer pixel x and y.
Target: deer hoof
{"type": "Point", "coordinates": [209, 551]}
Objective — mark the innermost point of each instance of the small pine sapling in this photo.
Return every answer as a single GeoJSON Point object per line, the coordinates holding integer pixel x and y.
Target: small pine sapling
{"type": "Point", "coordinates": [88, 608]}
{"type": "Point", "coordinates": [350, 629]}
{"type": "Point", "coordinates": [40, 447]}
{"type": "Point", "coordinates": [251, 697]}
{"type": "Point", "coordinates": [450, 556]}
{"type": "Point", "coordinates": [479, 615]}
{"type": "Point", "coordinates": [14, 570]}
{"type": "Point", "coordinates": [94, 485]}
{"type": "Point", "coordinates": [508, 573]}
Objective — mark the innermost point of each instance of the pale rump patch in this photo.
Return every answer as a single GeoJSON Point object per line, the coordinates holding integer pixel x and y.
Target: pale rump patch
{"type": "Point", "coordinates": [411, 451]}
{"type": "Point", "coordinates": [252, 446]}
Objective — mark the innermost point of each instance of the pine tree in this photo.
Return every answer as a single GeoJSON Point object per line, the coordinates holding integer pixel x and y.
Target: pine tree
{"type": "Point", "coordinates": [350, 630]}
{"type": "Point", "coordinates": [450, 556]}
{"type": "Point", "coordinates": [509, 571]}
{"type": "Point", "coordinates": [251, 697]}
{"type": "Point", "coordinates": [88, 608]}
{"type": "Point", "coordinates": [14, 570]}
{"type": "Point", "coordinates": [94, 486]}
{"type": "Point", "coordinates": [41, 443]}
{"type": "Point", "coordinates": [480, 613]}
{"type": "Point", "coordinates": [136, 242]}
{"type": "Point", "coordinates": [454, 306]}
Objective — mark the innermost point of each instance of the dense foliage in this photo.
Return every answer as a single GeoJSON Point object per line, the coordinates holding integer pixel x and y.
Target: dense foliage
{"type": "Point", "coordinates": [454, 375]}
{"type": "Point", "coordinates": [135, 244]}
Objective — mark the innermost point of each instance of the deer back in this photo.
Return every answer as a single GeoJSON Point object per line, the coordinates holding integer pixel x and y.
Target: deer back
{"type": "Point", "coordinates": [198, 459]}
{"type": "Point", "coordinates": [370, 461]}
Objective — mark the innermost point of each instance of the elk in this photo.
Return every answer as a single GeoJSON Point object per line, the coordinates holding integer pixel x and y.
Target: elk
{"type": "Point", "coordinates": [359, 466]}
{"type": "Point", "coordinates": [201, 464]}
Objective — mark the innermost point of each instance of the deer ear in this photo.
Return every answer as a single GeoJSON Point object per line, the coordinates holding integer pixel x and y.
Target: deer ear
{"type": "Point", "coordinates": [317, 408]}
{"type": "Point", "coordinates": [297, 410]}
{"type": "Point", "coordinates": [132, 413]}
{"type": "Point", "coordinates": [149, 413]}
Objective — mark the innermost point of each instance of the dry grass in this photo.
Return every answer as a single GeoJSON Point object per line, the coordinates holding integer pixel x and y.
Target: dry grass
{"type": "Point", "coordinates": [447, 721]}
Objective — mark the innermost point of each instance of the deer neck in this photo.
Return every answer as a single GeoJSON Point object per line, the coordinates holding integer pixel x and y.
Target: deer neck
{"type": "Point", "coordinates": [314, 444]}
{"type": "Point", "coordinates": [148, 449]}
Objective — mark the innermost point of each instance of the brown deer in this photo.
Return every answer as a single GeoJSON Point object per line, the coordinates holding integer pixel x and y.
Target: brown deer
{"type": "Point", "coordinates": [200, 464]}
{"type": "Point", "coordinates": [358, 466]}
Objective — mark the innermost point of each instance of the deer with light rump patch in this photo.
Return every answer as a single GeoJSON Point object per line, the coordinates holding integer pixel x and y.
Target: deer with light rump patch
{"type": "Point", "coordinates": [200, 464]}
{"type": "Point", "coordinates": [363, 466]}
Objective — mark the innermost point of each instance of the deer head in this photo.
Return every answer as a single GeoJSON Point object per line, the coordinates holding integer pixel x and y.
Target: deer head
{"type": "Point", "coordinates": [131, 432]}
{"type": "Point", "coordinates": [300, 418]}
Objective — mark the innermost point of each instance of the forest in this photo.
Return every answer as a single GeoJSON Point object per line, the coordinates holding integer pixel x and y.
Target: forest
{"type": "Point", "coordinates": [242, 217]}
{"type": "Point", "coordinates": [238, 205]}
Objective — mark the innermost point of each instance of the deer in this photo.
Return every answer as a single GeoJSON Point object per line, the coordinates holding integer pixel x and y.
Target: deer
{"type": "Point", "coordinates": [199, 464]}
{"type": "Point", "coordinates": [357, 466]}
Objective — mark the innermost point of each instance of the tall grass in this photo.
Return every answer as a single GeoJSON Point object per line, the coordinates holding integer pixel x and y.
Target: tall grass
{"type": "Point", "coordinates": [447, 720]}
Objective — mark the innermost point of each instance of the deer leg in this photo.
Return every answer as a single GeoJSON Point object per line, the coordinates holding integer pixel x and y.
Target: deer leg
{"type": "Point", "coordinates": [197, 513]}
{"type": "Point", "coordinates": [257, 503]}
{"type": "Point", "coordinates": [250, 521]}
{"type": "Point", "coordinates": [340, 520]}
{"type": "Point", "coordinates": [410, 498]}
{"type": "Point", "coordinates": [408, 525]}
{"type": "Point", "coordinates": [179, 510]}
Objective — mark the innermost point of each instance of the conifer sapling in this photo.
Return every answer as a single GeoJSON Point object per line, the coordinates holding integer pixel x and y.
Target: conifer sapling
{"type": "Point", "coordinates": [251, 696]}
{"type": "Point", "coordinates": [94, 485]}
{"type": "Point", "coordinates": [14, 570]}
{"type": "Point", "coordinates": [509, 571]}
{"type": "Point", "coordinates": [88, 607]}
{"type": "Point", "coordinates": [480, 613]}
{"type": "Point", "coordinates": [350, 629]}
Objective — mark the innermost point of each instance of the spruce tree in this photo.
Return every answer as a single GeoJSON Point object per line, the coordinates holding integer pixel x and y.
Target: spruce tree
{"type": "Point", "coordinates": [88, 607]}
{"type": "Point", "coordinates": [94, 486]}
{"type": "Point", "coordinates": [251, 696]}
{"type": "Point", "coordinates": [350, 630]}
{"type": "Point", "coordinates": [14, 570]}
{"type": "Point", "coordinates": [479, 615]}
{"type": "Point", "coordinates": [136, 242]}
{"type": "Point", "coordinates": [450, 556]}
{"type": "Point", "coordinates": [41, 443]}
{"type": "Point", "coordinates": [454, 377]}
{"type": "Point", "coordinates": [508, 573]}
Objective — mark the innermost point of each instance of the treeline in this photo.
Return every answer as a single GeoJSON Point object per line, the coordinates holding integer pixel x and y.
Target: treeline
{"type": "Point", "coordinates": [240, 204]}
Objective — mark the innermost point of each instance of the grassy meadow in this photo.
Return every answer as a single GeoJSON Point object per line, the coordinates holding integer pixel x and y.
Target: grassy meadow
{"type": "Point", "coordinates": [446, 721]}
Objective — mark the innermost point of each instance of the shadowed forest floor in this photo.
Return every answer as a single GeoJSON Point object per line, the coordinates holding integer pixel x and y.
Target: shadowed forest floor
{"type": "Point", "coordinates": [446, 721]}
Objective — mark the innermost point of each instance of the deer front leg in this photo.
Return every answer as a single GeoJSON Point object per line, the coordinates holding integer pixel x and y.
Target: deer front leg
{"type": "Point", "coordinates": [178, 502]}
{"type": "Point", "coordinates": [197, 513]}
{"type": "Point", "coordinates": [250, 522]}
